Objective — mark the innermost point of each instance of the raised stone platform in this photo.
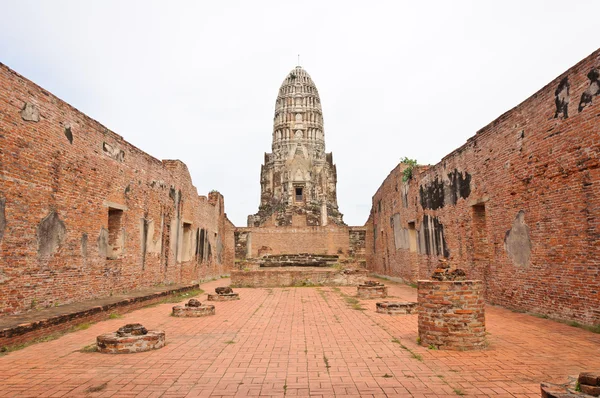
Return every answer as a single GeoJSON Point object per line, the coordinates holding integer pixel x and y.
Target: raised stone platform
{"type": "Point", "coordinates": [299, 260]}
{"type": "Point", "coordinates": [298, 276]}
{"type": "Point", "coordinates": [371, 289]}
{"type": "Point", "coordinates": [129, 339]}
{"type": "Point", "coordinates": [397, 307]}
{"type": "Point", "coordinates": [193, 308]}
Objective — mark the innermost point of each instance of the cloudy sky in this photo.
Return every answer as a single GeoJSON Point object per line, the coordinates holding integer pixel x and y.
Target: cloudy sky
{"type": "Point", "coordinates": [197, 80]}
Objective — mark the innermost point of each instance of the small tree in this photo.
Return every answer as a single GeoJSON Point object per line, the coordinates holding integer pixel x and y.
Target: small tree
{"type": "Point", "coordinates": [407, 173]}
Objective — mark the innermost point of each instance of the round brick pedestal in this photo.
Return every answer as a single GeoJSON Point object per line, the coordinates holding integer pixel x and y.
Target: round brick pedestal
{"type": "Point", "coordinates": [452, 314]}
{"type": "Point", "coordinates": [371, 291]}
{"type": "Point", "coordinates": [397, 307]}
{"type": "Point", "coordinates": [223, 297]}
{"type": "Point", "coordinates": [185, 311]}
{"type": "Point", "coordinates": [129, 342]}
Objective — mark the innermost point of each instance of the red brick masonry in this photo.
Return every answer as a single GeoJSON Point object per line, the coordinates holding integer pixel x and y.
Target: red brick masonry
{"type": "Point", "coordinates": [517, 206]}
{"type": "Point", "coordinates": [451, 315]}
{"type": "Point", "coordinates": [85, 214]}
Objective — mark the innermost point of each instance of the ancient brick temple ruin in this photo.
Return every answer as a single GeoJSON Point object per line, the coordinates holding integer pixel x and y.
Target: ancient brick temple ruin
{"type": "Point", "coordinates": [516, 207]}
{"type": "Point", "coordinates": [298, 210]}
{"type": "Point", "coordinates": [84, 214]}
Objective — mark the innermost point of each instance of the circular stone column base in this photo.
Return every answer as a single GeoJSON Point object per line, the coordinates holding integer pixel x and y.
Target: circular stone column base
{"type": "Point", "coordinates": [223, 297]}
{"type": "Point", "coordinates": [397, 307]}
{"type": "Point", "coordinates": [370, 292]}
{"type": "Point", "coordinates": [112, 343]}
{"type": "Point", "coordinates": [189, 312]}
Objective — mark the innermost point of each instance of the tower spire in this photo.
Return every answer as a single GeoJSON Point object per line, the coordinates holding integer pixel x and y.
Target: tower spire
{"type": "Point", "coordinates": [298, 59]}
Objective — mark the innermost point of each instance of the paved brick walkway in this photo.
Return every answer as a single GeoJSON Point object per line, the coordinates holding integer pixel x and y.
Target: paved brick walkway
{"type": "Point", "coordinates": [300, 342]}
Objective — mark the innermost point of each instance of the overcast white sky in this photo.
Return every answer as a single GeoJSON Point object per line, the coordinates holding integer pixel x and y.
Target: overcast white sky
{"type": "Point", "coordinates": [197, 80]}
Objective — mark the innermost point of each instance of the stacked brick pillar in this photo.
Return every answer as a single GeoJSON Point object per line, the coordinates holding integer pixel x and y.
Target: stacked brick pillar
{"type": "Point", "coordinates": [451, 314]}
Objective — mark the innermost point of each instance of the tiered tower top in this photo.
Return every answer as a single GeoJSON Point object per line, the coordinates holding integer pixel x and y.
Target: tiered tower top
{"type": "Point", "coordinates": [298, 179]}
{"type": "Point", "coordinates": [298, 115]}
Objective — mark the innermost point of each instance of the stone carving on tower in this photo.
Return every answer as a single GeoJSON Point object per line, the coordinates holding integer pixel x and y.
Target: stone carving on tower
{"type": "Point", "coordinates": [298, 179]}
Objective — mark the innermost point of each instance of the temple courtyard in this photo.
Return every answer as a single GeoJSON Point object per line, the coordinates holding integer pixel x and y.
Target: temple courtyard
{"type": "Point", "coordinates": [301, 341]}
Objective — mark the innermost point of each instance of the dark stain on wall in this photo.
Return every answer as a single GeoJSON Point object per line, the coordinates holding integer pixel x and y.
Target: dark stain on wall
{"type": "Point", "coordinates": [561, 99]}
{"type": "Point", "coordinates": [433, 239]}
{"type": "Point", "coordinates": [84, 242]}
{"type": "Point", "coordinates": [592, 90]}
{"type": "Point", "coordinates": [459, 186]}
{"type": "Point", "coordinates": [2, 217]}
{"type": "Point", "coordinates": [202, 243]}
{"type": "Point", "coordinates": [145, 229]}
{"type": "Point", "coordinates": [69, 134]}
{"type": "Point", "coordinates": [432, 195]}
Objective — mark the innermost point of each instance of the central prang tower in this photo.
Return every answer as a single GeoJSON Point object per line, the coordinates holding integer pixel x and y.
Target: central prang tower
{"type": "Point", "coordinates": [298, 180]}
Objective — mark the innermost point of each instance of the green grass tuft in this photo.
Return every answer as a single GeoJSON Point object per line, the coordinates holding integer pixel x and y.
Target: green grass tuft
{"type": "Point", "coordinates": [89, 348]}
{"type": "Point", "coordinates": [96, 388]}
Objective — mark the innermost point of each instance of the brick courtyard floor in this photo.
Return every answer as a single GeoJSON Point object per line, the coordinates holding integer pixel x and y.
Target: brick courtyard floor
{"type": "Point", "coordinates": [301, 342]}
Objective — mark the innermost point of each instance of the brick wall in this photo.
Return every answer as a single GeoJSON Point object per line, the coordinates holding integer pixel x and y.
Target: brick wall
{"type": "Point", "coordinates": [253, 242]}
{"type": "Point", "coordinates": [517, 206]}
{"type": "Point", "coordinates": [83, 213]}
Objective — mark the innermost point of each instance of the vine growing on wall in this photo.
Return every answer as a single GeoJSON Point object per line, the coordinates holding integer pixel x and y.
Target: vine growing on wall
{"type": "Point", "coordinates": [407, 173]}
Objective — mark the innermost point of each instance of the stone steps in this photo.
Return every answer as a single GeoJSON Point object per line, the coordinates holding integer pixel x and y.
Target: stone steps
{"type": "Point", "coordinates": [299, 260]}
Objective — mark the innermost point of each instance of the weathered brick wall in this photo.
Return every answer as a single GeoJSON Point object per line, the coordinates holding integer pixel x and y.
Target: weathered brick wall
{"type": "Point", "coordinates": [517, 206]}
{"type": "Point", "coordinates": [451, 315]}
{"type": "Point", "coordinates": [62, 173]}
{"type": "Point", "coordinates": [253, 242]}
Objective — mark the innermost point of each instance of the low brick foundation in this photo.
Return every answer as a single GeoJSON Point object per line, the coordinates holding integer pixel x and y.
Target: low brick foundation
{"type": "Point", "coordinates": [305, 276]}
{"type": "Point", "coordinates": [190, 312]}
{"type": "Point", "coordinates": [112, 343]}
{"type": "Point", "coordinates": [223, 297]}
{"type": "Point", "coordinates": [371, 292]}
{"type": "Point", "coordinates": [451, 314]}
{"type": "Point", "coordinates": [397, 307]}
{"type": "Point", "coordinates": [299, 260]}
{"type": "Point", "coordinates": [47, 324]}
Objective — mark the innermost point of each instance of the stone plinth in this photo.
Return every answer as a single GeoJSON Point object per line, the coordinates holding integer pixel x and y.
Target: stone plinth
{"type": "Point", "coordinates": [371, 290]}
{"type": "Point", "coordinates": [193, 309]}
{"type": "Point", "coordinates": [397, 307]}
{"type": "Point", "coordinates": [129, 339]}
{"type": "Point", "coordinates": [223, 297]}
{"type": "Point", "coordinates": [451, 314]}
{"type": "Point", "coordinates": [299, 260]}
